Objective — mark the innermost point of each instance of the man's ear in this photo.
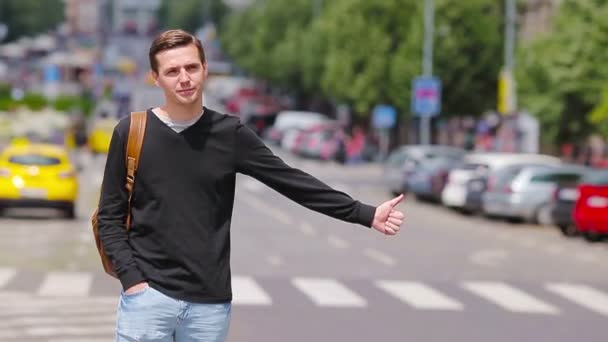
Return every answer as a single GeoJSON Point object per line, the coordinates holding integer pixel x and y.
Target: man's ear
{"type": "Point", "coordinates": [205, 70]}
{"type": "Point", "coordinates": [154, 77]}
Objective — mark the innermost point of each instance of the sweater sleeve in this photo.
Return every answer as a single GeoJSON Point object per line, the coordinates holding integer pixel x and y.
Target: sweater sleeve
{"type": "Point", "coordinates": [112, 214]}
{"type": "Point", "coordinates": [255, 159]}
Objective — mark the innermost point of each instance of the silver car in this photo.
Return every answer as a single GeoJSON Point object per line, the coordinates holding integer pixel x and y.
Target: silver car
{"type": "Point", "coordinates": [403, 162]}
{"type": "Point", "coordinates": [525, 192]}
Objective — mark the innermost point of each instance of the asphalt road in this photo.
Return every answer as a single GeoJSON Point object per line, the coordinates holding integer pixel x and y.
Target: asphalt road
{"type": "Point", "coordinates": [301, 276]}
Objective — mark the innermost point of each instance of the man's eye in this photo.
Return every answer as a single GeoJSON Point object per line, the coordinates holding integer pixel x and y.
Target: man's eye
{"type": "Point", "coordinates": [192, 68]}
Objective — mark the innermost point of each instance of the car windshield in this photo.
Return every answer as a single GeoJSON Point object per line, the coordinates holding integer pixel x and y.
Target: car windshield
{"type": "Point", "coordinates": [397, 158]}
{"type": "Point", "coordinates": [597, 178]}
{"type": "Point", "coordinates": [34, 159]}
{"type": "Point", "coordinates": [559, 178]}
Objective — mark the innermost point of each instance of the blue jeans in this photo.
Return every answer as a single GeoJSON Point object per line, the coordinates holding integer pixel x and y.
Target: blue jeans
{"type": "Point", "coordinates": [150, 315]}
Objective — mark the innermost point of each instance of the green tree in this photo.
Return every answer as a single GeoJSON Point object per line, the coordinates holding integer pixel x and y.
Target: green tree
{"type": "Point", "coordinates": [278, 41]}
{"type": "Point", "coordinates": [30, 17]}
{"type": "Point", "coordinates": [190, 15]}
{"type": "Point", "coordinates": [375, 52]}
{"type": "Point", "coordinates": [599, 116]}
{"type": "Point", "coordinates": [368, 52]}
{"type": "Point", "coordinates": [562, 76]}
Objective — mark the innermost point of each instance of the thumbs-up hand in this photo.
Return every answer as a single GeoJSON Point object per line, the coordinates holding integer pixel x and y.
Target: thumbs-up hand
{"type": "Point", "coordinates": [387, 219]}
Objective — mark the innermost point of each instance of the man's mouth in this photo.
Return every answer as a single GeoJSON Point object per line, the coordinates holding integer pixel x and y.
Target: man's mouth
{"type": "Point", "coordinates": [186, 92]}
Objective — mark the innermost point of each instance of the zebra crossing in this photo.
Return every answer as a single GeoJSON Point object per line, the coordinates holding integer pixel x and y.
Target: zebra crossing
{"type": "Point", "coordinates": [329, 292]}
{"type": "Point", "coordinates": [81, 306]}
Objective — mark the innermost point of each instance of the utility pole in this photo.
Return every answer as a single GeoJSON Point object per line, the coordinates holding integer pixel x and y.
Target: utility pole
{"type": "Point", "coordinates": [427, 64]}
{"type": "Point", "coordinates": [507, 92]}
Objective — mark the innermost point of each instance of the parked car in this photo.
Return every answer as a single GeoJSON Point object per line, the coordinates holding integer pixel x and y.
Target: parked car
{"type": "Point", "coordinates": [564, 200]}
{"type": "Point", "coordinates": [591, 209]}
{"type": "Point", "coordinates": [428, 181]}
{"type": "Point", "coordinates": [478, 166]}
{"type": "Point", "coordinates": [526, 192]}
{"type": "Point", "coordinates": [323, 143]}
{"type": "Point", "coordinates": [403, 162]}
{"type": "Point", "coordinates": [38, 175]}
{"type": "Point", "coordinates": [292, 120]}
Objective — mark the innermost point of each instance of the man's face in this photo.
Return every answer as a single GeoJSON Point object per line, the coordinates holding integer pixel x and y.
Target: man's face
{"type": "Point", "coordinates": [181, 74]}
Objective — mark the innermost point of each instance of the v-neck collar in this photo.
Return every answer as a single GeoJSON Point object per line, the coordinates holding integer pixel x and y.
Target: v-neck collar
{"type": "Point", "coordinates": [201, 119]}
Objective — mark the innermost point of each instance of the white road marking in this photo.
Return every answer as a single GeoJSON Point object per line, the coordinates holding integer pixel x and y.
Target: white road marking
{"type": "Point", "coordinates": [419, 295]}
{"type": "Point", "coordinates": [246, 291]}
{"type": "Point", "coordinates": [337, 242]}
{"type": "Point", "coordinates": [70, 330]}
{"type": "Point", "coordinates": [21, 321]}
{"type": "Point", "coordinates": [6, 274]}
{"type": "Point", "coordinates": [583, 295]}
{"type": "Point", "coordinates": [379, 256]}
{"type": "Point", "coordinates": [73, 284]}
{"type": "Point", "coordinates": [510, 298]}
{"type": "Point", "coordinates": [328, 293]}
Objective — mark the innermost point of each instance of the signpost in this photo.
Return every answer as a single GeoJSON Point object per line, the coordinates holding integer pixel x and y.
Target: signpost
{"type": "Point", "coordinates": [426, 97]}
{"type": "Point", "coordinates": [383, 119]}
{"type": "Point", "coordinates": [426, 103]}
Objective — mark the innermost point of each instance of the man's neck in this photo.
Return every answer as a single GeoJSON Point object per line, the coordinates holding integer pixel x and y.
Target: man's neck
{"type": "Point", "coordinates": [180, 112]}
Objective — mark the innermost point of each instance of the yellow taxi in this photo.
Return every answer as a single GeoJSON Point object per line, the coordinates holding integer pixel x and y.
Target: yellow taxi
{"type": "Point", "coordinates": [38, 175]}
{"type": "Point", "coordinates": [101, 134]}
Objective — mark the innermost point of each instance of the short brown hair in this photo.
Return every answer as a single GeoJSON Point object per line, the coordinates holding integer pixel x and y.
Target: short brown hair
{"type": "Point", "coordinates": [171, 39]}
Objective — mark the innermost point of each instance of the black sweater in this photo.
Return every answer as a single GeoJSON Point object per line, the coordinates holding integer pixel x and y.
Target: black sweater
{"type": "Point", "coordinates": [182, 203]}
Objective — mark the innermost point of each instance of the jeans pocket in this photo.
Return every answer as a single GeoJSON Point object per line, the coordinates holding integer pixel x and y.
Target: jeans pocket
{"type": "Point", "coordinates": [136, 294]}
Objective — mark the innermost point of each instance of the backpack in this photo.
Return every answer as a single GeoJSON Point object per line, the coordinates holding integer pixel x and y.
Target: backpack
{"type": "Point", "coordinates": [134, 143]}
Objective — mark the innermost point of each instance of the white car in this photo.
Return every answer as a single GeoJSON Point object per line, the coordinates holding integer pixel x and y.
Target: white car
{"type": "Point", "coordinates": [454, 194]}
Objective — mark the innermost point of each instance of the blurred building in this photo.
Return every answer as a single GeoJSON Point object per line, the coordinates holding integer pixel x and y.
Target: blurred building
{"type": "Point", "coordinates": [83, 16]}
{"type": "Point", "coordinates": [136, 17]}
{"type": "Point", "coordinates": [537, 18]}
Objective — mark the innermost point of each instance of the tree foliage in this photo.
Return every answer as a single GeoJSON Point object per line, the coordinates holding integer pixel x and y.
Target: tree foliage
{"type": "Point", "coordinates": [368, 52]}
{"type": "Point", "coordinates": [562, 75]}
{"type": "Point", "coordinates": [190, 15]}
{"type": "Point", "coordinates": [365, 52]}
{"type": "Point", "coordinates": [30, 17]}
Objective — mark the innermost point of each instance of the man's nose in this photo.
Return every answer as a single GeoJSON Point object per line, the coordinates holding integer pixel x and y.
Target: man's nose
{"type": "Point", "coordinates": [183, 76]}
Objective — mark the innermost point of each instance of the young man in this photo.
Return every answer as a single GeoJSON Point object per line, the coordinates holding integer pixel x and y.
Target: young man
{"type": "Point", "coordinates": [173, 263]}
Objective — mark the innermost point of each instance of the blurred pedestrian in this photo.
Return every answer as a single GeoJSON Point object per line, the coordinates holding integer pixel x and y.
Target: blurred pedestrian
{"type": "Point", "coordinates": [173, 263]}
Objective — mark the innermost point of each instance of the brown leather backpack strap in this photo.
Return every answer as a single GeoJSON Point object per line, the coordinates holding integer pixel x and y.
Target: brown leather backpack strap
{"type": "Point", "coordinates": [134, 144]}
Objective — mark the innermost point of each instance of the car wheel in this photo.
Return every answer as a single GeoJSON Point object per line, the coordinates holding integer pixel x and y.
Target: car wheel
{"type": "Point", "coordinates": [592, 236]}
{"type": "Point", "coordinates": [543, 215]}
{"type": "Point", "coordinates": [568, 229]}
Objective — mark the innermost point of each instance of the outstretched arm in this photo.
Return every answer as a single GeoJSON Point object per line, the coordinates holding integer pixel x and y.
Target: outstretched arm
{"type": "Point", "coordinates": [255, 159]}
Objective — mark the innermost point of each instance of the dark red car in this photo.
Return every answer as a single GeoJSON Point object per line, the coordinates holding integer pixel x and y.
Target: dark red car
{"type": "Point", "coordinates": [591, 210]}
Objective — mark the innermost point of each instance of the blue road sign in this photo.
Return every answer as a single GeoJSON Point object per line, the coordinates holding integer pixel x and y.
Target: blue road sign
{"type": "Point", "coordinates": [426, 97]}
{"type": "Point", "coordinates": [384, 117]}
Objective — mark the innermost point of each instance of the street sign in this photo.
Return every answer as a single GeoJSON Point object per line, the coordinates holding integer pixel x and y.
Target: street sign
{"type": "Point", "coordinates": [384, 117]}
{"type": "Point", "coordinates": [426, 97]}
